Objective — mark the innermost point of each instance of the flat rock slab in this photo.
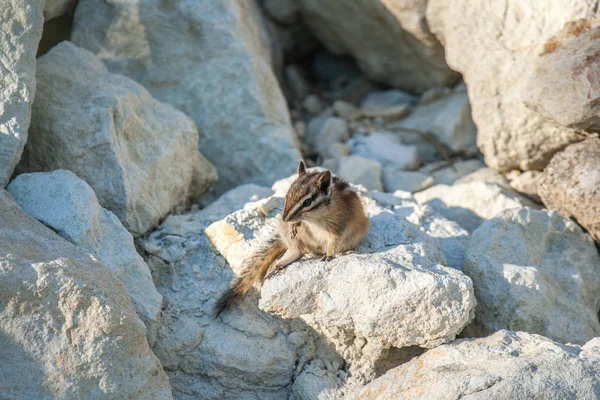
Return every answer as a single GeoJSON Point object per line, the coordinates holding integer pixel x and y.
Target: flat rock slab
{"type": "Point", "coordinates": [505, 365]}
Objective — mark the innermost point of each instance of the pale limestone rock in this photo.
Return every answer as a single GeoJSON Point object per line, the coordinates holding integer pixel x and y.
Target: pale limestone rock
{"type": "Point", "coordinates": [526, 183]}
{"type": "Point", "coordinates": [209, 59]}
{"type": "Point", "coordinates": [361, 171]}
{"type": "Point", "coordinates": [534, 271]}
{"type": "Point", "coordinates": [67, 327]}
{"type": "Point", "coordinates": [325, 130]}
{"type": "Point", "coordinates": [68, 205]}
{"type": "Point", "coordinates": [505, 365]}
{"type": "Point", "coordinates": [448, 175]}
{"type": "Point", "coordinates": [391, 41]}
{"type": "Point", "coordinates": [385, 148]}
{"type": "Point", "coordinates": [408, 181]}
{"type": "Point", "coordinates": [471, 203]}
{"type": "Point", "coordinates": [448, 119]}
{"type": "Point", "coordinates": [494, 45]}
{"type": "Point", "coordinates": [21, 22]}
{"type": "Point", "coordinates": [488, 175]}
{"type": "Point", "coordinates": [139, 155]}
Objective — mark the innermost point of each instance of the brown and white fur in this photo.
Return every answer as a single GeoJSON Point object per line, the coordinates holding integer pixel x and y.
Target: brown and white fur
{"type": "Point", "coordinates": [322, 216]}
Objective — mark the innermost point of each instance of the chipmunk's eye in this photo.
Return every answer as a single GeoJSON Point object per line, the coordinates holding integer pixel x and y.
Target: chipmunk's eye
{"type": "Point", "coordinates": [307, 202]}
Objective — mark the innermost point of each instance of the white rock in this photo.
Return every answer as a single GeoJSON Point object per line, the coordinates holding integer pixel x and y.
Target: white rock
{"type": "Point", "coordinates": [323, 131]}
{"type": "Point", "coordinates": [138, 154]}
{"type": "Point", "coordinates": [336, 150]}
{"type": "Point", "coordinates": [510, 135]}
{"type": "Point", "coordinates": [390, 40]}
{"type": "Point", "coordinates": [390, 97]}
{"type": "Point", "coordinates": [56, 8]}
{"type": "Point", "coordinates": [448, 175]}
{"type": "Point", "coordinates": [484, 175]}
{"type": "Point", "coordinates": [68, 330]}
{"type": "Point", "coordinates": [506, 365]}
{"type": "Point", "coordinates": [68, 205]}
{"type": "Point", "coordinates": [21, 22]}
{"type": "Point", "coordinates": [385, 148]}
{"type": "Point", "coordinates": [471, 203]}
{"type": "Point", "coordinates": [361, 171]}
{"type": "Point", "coordinates": [245, 354]}
{"type": "Point", "coordinates": [527, 184]}
{"type": "Point", "coordinates": [406, 296]}
{"type": "Point", "coordinates": [405, 180]}
{"type": "Point", "coordinates": [535, 271]}
{"type": "Point", "coordinates": [209, 59]}
{"type": "Point", "coordinates": [448, 119]}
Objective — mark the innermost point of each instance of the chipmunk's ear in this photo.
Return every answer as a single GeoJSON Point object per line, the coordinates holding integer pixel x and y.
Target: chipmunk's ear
{"type": "Point", "coordinates": [324, 182]}
{"type": "Point", "coordinates": [301, 168]}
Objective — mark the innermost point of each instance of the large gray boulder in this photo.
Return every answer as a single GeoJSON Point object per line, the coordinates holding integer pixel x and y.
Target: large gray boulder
{"type": "Point", "coordinates": [21, 22]}
{"type": "Point", "coordinates": [534, 271]}
{"type": "Point", "coordinates": [571, 183]}
{"type": "Point", "coordinates": [68, 205]}
{"type": "Point", "coordinates": [391, 41]}
{"type": "Point", "coordinates": [494, 44]}
{"type": "Point", "coordinates": [506, 365]}
{"type": "Point", "coordinates": [209, 59]}
{"type": "Point", "coordinates": [67, 327]}
{"type": "Point", "coordinates": [139, 155]}
{"type": "Point", "coordinates": [395, 292]}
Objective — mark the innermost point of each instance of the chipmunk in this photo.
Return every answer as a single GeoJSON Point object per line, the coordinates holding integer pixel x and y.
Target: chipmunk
{"type": "Point", "coordinates": [322, 216]}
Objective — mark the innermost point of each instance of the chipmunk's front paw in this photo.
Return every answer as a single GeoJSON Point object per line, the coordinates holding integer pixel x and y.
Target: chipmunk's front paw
{"type": "Point", "coordinates": [327, 258]}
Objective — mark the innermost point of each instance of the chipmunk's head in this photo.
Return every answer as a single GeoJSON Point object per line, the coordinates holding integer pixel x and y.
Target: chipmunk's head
{"type": "Point", "coordinates": [308, 196]}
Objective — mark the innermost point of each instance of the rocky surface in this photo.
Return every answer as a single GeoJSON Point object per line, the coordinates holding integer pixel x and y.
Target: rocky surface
{"type": "Point", "coordinates": [385, 148]}
{"type": "Point", "coordinates": [139, 155]}
{"type": "Point", "coordinates": [68, 205]}
{"type": "Point", "coordinates": [570, 184]}
{"type": "Point", "coordinates": [534, 271]}
{"type": "Point", "coordinates": [56, 8]}
{"type": "Point", "coordinates": [19, 45]}
{"type": "Point", "coordinates": [361, 171]}
{"type": "Point", "coordinates": [471, 203]}
{"type": "Point", "coordinates": [510, 135]}
{"type": "Point", "coordinates": [222, 78]}
{"type": "Point", "coordinates": [505, 365]}
{"type": "Point", "coordinates": [408, 181]}
{"type": "Point", "coordinates": [67, 327]}
{"type": "Point", "coordinates": [360, 321]}
{"type": "Point", "coordinates": [527, 183]}
{"type": "Point", "coordinates": [564, 87]}
{"type": "Point", "coordinates": [244, 354]}
{"type": "Point", "coordinates": [390, 40]}
{"type": "Point", "coordinates": [448, 119]}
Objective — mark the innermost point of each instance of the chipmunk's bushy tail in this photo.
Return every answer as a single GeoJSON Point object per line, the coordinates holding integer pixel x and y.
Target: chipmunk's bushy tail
{"type": "Point", "coordinates": [255, 269]}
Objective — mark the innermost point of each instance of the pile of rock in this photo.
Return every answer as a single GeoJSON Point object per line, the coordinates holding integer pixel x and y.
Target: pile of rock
{"type": "Point", "coordinates": [137, 162]}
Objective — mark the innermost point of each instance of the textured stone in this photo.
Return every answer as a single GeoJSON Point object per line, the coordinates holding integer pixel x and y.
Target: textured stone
{"type": "Point", "coordinates": [448, 119]}
{"type": "Point", "coordinates": [323, 131]}
{"type": "Point", "coordinates": [403, 284]}
{"type": "Point", "coordinates": [405, 180]}
{"type": "Point", "coordinates": [361, 171]}
{"type": "Point", "coordinates": [385, 148]}
{"type": "Point", "coordinates": [494, 44]}
{"type": "Point", "coordinates": [564, 87]}
{"type": "Point", "coordinates": [571, 183]}
{"type": "Point", "coordinates": [506, 365]}
{"type": "Point", "coordinates": [209, 59]}
{"type": "Point", "coordinates": [68, 205]}
{"type": "Point", "coordinates": [139, 155]}
{"type": "Point", "coordinates": [246, 353]}
{"type": "Point", "coordinates": [390, 40]}
{"type": "Point", "coordinates": [21, 22]}
{"type": "Point", "coordinates": [534, 271]}
{"type": "Point", "coordinates": [471, 203]}
{"type": "Point", "coordinates": [67, 327]}
{"type": "Point", "coordinates": [449, 175]}
{"type": "Point", "coordinates": [488, 175]}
